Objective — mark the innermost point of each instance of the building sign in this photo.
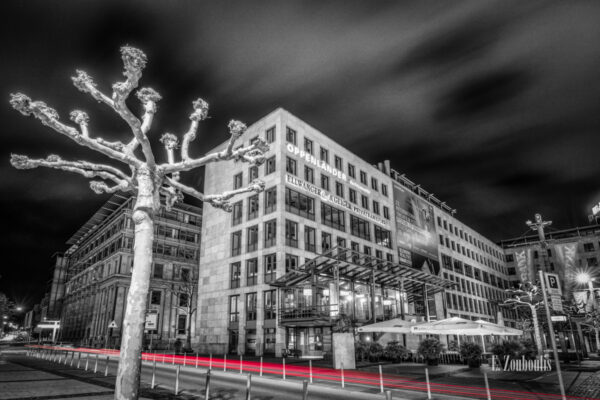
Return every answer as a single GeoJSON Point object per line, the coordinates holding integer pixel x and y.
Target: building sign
{"type": "Point", "coordinates": [415, 230]}
{"type": "Point", "coordinates": [524, 264]}
{"type": "Point", "coordinates": [310, 159]}
{"type": "Point", "coordinates": [566, 256]}
{"type": "Point", "coordinates": [333, 199]}
{"type": "Point", "coordinates": [556, 302]}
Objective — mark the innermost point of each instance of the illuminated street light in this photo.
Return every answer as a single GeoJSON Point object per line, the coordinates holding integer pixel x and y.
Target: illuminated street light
{"type": "Point", "coordinates": [583, 278]}
{"type": "Point", "coordinates": [19, 308]}
{"type": "Point", "coordinates": [4, 317]}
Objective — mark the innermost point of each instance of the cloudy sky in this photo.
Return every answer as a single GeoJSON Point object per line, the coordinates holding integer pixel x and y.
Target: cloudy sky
{"type": "Point", "coordinates": [491, 105]}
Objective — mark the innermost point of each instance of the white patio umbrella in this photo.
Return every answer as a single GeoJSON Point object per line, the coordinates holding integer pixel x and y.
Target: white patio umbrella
{"type": "Point", "coordinates": [460, 326]}
{"type": "Point", "coordinates": [395, 325]}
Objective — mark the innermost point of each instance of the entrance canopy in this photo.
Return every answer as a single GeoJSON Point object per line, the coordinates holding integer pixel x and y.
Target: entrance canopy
{"type": "Point", "coordinates": [362, 268]}
{"type": "Point", "coordinates": [396, 325]}
{"type": "Point", "coordinates": [461, 326]}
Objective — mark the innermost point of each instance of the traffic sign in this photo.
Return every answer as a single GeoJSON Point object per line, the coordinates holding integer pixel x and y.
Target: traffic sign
{"type": "Point", "coordinates": [151, 320]}
{"type": "Point", "coordinates": [553, 284]}
{"type": "Point", "coordinates": [559, 318]}
{"type": "Point", "coordinates": [113, 324]}
{"type": "Point", "coordinates": [557, 303]}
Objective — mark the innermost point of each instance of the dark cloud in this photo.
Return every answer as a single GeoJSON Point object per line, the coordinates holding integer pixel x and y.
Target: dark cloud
{"type": "Point", "coordinates": [490, 105]}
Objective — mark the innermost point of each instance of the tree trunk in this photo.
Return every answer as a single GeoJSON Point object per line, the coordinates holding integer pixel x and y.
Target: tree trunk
{"type": "Point", "coordinates": [597, 340]}
{"type": "Point", "coordinates": [128, 374]}
{"type": "Point", "coordinates": [536, 330]}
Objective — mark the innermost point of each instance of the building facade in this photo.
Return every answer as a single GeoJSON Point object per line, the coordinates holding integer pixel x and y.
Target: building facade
{"type": "Point", "coordinates": [332, 238]}
{"type": "Point", "coordinates": [98, 274]}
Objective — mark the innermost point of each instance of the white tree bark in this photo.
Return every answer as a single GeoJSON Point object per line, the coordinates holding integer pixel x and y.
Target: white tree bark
{"type": "Point", "coordinates": [536, 330]}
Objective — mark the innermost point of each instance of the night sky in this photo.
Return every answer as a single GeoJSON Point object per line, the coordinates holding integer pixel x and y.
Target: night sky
{"type": "Point", "coordinates": [493, 106]}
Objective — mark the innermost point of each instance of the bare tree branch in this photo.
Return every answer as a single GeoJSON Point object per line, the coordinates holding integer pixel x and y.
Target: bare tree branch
{"type": "Point", "coordinates": [199, 114]}
{"type": "Point", "coordinates": [253, 154]}
{"type": "Point", "coordinates": [87, 169]}
{"type": "Point", "coordinates": [49, 117]}
{"type": "Point", "coordinates": [218, 200]}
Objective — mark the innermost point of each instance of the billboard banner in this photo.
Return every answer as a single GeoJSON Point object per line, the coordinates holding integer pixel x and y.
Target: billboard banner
{"type": "Point", "coordinates": [566, 255]}
{"type": "Point", "coordinates": [416, 238]}
{"type": "Point", "coordinates": [524, 261]}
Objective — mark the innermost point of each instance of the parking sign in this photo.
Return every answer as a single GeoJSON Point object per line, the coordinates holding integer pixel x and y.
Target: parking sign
{"type": "Point", "coordinates": [553, 284]}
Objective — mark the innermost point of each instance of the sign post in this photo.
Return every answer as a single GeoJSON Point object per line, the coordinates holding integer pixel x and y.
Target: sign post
{"type": "Point", "coordinates": [151, 323]}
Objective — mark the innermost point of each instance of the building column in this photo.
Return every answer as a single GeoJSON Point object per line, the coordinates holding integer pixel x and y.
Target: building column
{"type": "Point", "coordinates": [373, 306]}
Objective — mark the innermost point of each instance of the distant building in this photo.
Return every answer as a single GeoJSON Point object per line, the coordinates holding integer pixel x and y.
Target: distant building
{"type": "Point", "coordinates": [98, 273]}
{"type": "Point", "coordinates": [332, 241]}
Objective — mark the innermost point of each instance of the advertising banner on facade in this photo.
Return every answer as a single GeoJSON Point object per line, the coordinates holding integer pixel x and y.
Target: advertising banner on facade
{"type": "Point", "coordinates": [566, 255]}
{"type": "Point", "coordinates": [524, 261]}
{"type": "Point", "coordinates": [417, 241]}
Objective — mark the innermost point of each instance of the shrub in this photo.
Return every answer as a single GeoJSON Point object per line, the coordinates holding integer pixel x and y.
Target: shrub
{"type": "Point", "coordinates": [375, 351]}
{"type": "Point", "coordinates": [453, 346]}
{"type": "Point", "coordinates": [511, 348]}
{"type": "Point", "coordinates": [395, 352]}
{"type": "Point", "coordinates": [361, 351]}
{"type": "Point", "coordinates": [471, 353]}
{"type": "Point", "coordinates": [528, 349]}
{"type": "Point", "coordinates": [431, 349]}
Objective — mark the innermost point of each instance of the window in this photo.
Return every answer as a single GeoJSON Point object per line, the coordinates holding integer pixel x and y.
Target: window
{"type": "Point", "coordinates": [386, 212]}
{"type": "Point", "coordinates": [181, 324]}
{"type": "Point", "coordinates": [338, 163]}
{"type": "Point", "coordinates": [360, 228]}
{"type": "Point", "coordinates": [339, 189]}
{"type": "Point", "coordinates": [587, 247]}
{"type": "Point", "coordinates": [270, 135]}
{"type": "Point", "coordinates": [352, 195]}
{"type": "Point", "coordinates": [234, 275]}
{"type": "Point", "coordinates": [291, 233]}
{"type": "Point", "coordinates": [253, 207]}
{"type": "Point", "coordinates": [592, 262]}
{"type": "Point", "coordinates": [324, 154]}
{"type": "Point", "coordinates": [270, 233]}
{"type": "Point", "coordinates": [158, 271]}
{"type": "Point", "coordinates": [341, 242]}
{"type": "Point", "coordinates": [270, 267]}
{"type": "Point", "coordinates": [183, 299]}
{"type": "Point", "coordinates": [291, 262]}
{"type": "Point", "coordinates": [185, 274]}
{"type": "Point", "coordinates": [236, 214]}
{"type": "Point", "coordinates": [384, 190]}
{"type": "Point", "coordinates": [310, 239]}
{"type": "Point", "coordinates": [379, 254]}
{"type": "Point", "coordinates": [309, 174]}
{"type": "Point", "coordinates": [270, 303]}
{"type": "Point", "coordinates": [252, 238]}
{"type": "Point", "coordinates": [333, 217]}
{"type": "Point", "coordinates": [389, 257]}
{"type": "Point", "coordinates": [364, 201]}
{"type": "Point", "coordinates": [325, 242]}
{"type": "Point", "coordinates": [155, 297]}
{"type": "Point", "coordinates": [236, 243]}
{"type": "Point", "coordinates": [270, 165]}
{"type": "Point", "coordinates": [510, 258]}
{"type": "Point", "coordinates": [363, 177]}
{"type": "Point", "coordinates": [270, 200]}
{"type": "Point", "coordinates": [290, 135]}
{"type": "Point", "coordinates": [325, 182]}
{"type": "Point", "coordinates": [252, 173]}
{"type": "Point", "coordinates": [383, 237]}
{"type": "Point", "coordinates": [234, 315]}
{"type": "Point", "coordinates": [290, 166]}
{"type": "Point", "coordinates": [251, 271]}
{"type": "Point", "coordinates": [299, 204]}
{"type": "Point", "coordinates": [351, 171]}
{"type": "Point", "coordinates": [237, 181]}
{"type": "Point", "coordinates": [308, 146]}
{"type": "Point", "coordinates": [374, 184]}
{"type": "Point", "coordinates": [367, 250]}
{"type": "Point", "coordinates": [355, 248]}
{"type": "Point", "coordinates": [375, 207]}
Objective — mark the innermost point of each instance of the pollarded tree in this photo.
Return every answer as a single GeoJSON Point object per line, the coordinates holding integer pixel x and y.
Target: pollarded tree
{"type": "Point", "coordinates": [528, 295]}
{"type": "Point", "coordinates": [152, 184]}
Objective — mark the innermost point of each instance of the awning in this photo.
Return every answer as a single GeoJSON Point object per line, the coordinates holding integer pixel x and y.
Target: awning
{"type": "Point", "coordinates": [395, 325]}
{"type": "Point", "coordinates": [461, 326]}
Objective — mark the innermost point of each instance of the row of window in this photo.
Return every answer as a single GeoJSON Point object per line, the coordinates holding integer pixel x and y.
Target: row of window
{"type": "Point", "coordinates": [469, 238]}
{"type": "Point", "coordinates": [291, 136]}
{"type": "Point", "coordinates": [465, 251]}
{"type": "Point", "coordinates": [251, 300]}
{"type": "Point", "coordinates": [270, 205]}
{"type": "Point", "coordinates": [473, 272]}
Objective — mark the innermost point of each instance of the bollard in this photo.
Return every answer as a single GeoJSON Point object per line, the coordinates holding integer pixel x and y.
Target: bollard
{"type": "Point", "coordinates": [241, 362]}
{"type": "Point", "coordinates": [96, 364]}
{"type": "Point", "coordinates": [163, 357]}
{"type": "Point", "coordinates": [388, 395]}
{"type": "Point", "coordinates": [184, 359]}
{"type": "Point", "coordinates": [224, 363]}
{"type": "Point", "coordinates": [87, 359]}
{"type": "Point", "coordinates": [78, 360]}
{"type": "Point", "coordinates": [342, 370]}
{"type": "Point", "coordinates": [106, 367]}
{"type": "Point", "coordinates": [173, 359]}
{"type": "Point", "coordinates": [196, 359]}
{"type": "Point", "coordinates": [261, 365]}
{"type": "Point", "coordinates": [304, 390]}
{"type": "Point", "coordinates": [248, 386]}
{"type": "Point", "coordinates": [177, 380]}
{"type": "Point", "coordinates": [153, 383]}
{"type": "Point", "coordinates": [380, 379]}
{"type": "Point", "coordinates": [428, 387]}
{"type": "Point", "coordinates": [284, 368]}
{"type": "Point", "coordinates": [210, 362]}
{"type": "Point", "coordinates": [207, 385]}
{"type": "Point", "coordinates": [487, 387]}
{"type": "Point", "coordinates": [310, 371]}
